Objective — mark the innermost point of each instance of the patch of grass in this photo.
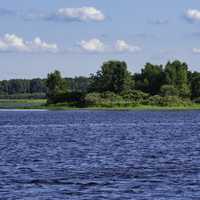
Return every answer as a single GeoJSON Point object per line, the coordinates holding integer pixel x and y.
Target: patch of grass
{"type": "Point", "coordinates": [21, 103]}
{"type": "Point", "coordinates": [148, 107]}
{"type": "Point", "coordinates": [41, 104]}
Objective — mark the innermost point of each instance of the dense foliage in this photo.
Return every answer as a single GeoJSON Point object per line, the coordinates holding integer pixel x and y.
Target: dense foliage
{"type": "Point", "coordinates": [113, 84]}
{"type": "Point", "coordinates": [113, 77]}
{"type": "Point", "coordinates": [22, 86]}
{"type": "Point", "coordinates": [36, 88]}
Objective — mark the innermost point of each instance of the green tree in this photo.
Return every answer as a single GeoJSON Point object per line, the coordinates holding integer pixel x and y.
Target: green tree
{"type": "Point", "coordinates": [78, 84]}
{"type": "Point", "coordinates": [37, 85]}
{"type": "Point", "coordinates": [150, 79]}
{"type": "Point", "coordinates": [18, 86]}
{"type": "Point", "coordinates": [195, 85]}
{"type": "Point", "coordinates": [176, 74]}
{"type": "Point", "coordinates": [4, 87]}
{"type": "Point", "coordinates": [113, 77]}
{"type": "Point", "coordinates": [56, 86]}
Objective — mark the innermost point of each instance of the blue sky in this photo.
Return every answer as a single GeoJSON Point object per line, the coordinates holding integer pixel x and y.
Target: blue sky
{"type": "Point", "coordinates": [76, 36]}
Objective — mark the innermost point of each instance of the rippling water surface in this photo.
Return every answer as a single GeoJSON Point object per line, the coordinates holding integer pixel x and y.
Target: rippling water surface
{"type": "Point", "coordinates": [84, 155]}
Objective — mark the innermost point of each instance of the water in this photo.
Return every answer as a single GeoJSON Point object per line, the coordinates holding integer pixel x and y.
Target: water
{"type": "Point", "coordinates": [84, 155]}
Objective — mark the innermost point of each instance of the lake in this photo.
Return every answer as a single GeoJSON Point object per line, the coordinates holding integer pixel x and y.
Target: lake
{"type": "Point", "coordinates": [98, 155]}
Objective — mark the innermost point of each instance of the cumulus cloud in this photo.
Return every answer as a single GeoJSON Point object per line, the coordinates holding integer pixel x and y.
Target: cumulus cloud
{"type": "Point", "coordinates": [14, 43]}
{"type": "Point", "coordinates": [38, 45]}
{"type": "Point", "coordinates": [96, 45]}
{"type": "Point", "coordinates": [123, 46]}
{"type": "Point", "coordinates": [93, 45]}
{"type": "Point", "coordinates": [80, 14]}
{"type": "Point", "coordinates": [193, 15]}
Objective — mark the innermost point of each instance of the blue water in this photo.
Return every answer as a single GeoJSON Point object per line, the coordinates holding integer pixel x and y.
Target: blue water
{"type": "Point", "coordinates": [99, 155]}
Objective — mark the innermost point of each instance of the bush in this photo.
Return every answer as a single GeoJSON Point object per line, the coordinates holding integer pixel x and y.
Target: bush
{"type": "Point", "coordinates": [72, 98]}
{"type": "Point", "coordinates": [167, 101]}
{"type": "Point", "coordinates": [155, 100]}
{"type": "Point", "coordinates": [174, 101]}
{"type": "Point", "coordinates": [185, 92]}
{"type": "Point", "coordinates": [106, 99]}
{"type": "Point", "coordinates": [93, 98]}
{"type": "Point", "coordinates": [197, 100]}
{"type": "Point", "coordinates": [134, 96]}
{"type": "Point", "coordinates": [23, 96]}
{"type": "Point", "coordinates": [111, 97]}
{"type": "Point", "coordinates": [169, 90]}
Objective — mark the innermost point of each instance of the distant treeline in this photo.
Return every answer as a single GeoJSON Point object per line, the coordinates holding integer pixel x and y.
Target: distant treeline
{"type": "Point", "coordinates": [36, 88]}
{"type": "Point", "coordinates": [172, 83]}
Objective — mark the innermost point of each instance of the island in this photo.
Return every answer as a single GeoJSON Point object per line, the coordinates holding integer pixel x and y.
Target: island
{"type": "Point", "coordinates": [169, 86]}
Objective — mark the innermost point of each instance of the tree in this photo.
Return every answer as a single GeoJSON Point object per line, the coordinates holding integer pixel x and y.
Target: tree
{"type": "Point", "coordinates": [4, 87]}
{"type": "Point", "coordinates": [37, 85]}
{"type": "Point", "coordinates": [113, 77]}
{"type": "Point", "coordinates": [18, 86]}
{"type": "Point", "coordinates": [176, 74]}
{"type": "Point", "coordinates": [195, 85]}
{"type": "Point", "coordinates": [150, 79]}
{"type": "Point", "coordinates": [56, 86]}
{"type": "Point", "coordinates": [78, 84]}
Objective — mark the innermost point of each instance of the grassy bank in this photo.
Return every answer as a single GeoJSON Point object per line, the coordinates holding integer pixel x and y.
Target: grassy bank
{"type": "Point", "coordinates": [41, 104]}
{"type": "Point", "coordinates": [21, 103]}
{"type": "Point", "coordinates": [149, 107]}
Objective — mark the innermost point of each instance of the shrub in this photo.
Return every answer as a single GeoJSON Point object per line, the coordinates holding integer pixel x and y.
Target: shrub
{"type": "Point", "coordinates": [23, 96]}
{"type": "Point", "coordinates": [106, 99]}
{"type": "Point", "coordinates": [184, 91]}
{"type": "Point", "coordinates": [167, 101]}
{"type": "Point", "coordinates": [169, 90]}
{"type": "Point", "coordinates": [73, 98]}
{"type": "Point", "coordinates": [135, 96]}
{"type": "Point", "coordinates": [155, 100]}
{"type": "Point", "coordinates": [111, 97]}
{"type": "Point", "coordinates": [93, 98]}
{"type": "Point", "coordinates": [197, 100]}
{"type": "Point", "coordinates": [171, 101]}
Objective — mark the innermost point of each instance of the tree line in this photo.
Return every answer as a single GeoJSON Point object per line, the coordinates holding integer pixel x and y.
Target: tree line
{"type": "Point", "coordinates": [36, 88]}
{"type": "Point", "coordinates": [168, 84]}
{"type": "Point", "coordinates": [113, 83]}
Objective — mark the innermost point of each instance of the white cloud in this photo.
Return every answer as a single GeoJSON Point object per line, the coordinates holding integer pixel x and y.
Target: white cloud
{"type": "Point", "coordinates": [13, 43]}
{"type": "Point", "coordinates": [196, 50]}
{"type": "Point", "coordinates": [193, 14]}
{"type": "Point", "coordinates": [80, 14]}
{"type": "Point", "coordinates": [93, 45]}
{"type": "Point", "coordinates": [83, 14]}
{"type": "Point", "coordinates": [96, 45]}
{"type": "Point", "coordinates": [123, 46]}
{"type": "Point", "coordinates": [38, 44]}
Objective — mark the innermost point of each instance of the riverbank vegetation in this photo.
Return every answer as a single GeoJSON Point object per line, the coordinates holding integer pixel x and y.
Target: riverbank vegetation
{"type": "Point", "coordinates": [172, 85]}
{"type": "Point", "coordinates": [22, 103]}
{"type": "Point", "coordinates": [113, 86]}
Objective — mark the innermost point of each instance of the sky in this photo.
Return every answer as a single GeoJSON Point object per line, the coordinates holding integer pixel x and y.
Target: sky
{"type": "Point", "coordinates": [77, 36]}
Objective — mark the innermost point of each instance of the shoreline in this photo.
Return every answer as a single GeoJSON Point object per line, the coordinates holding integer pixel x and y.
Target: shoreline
{"type": "Point", "coordinates": [137, 108]}
{"type": "Point", "coordinates": [40, 104]}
